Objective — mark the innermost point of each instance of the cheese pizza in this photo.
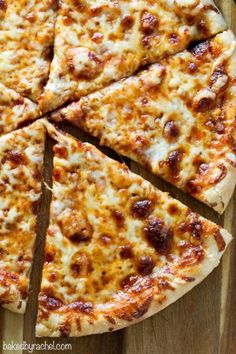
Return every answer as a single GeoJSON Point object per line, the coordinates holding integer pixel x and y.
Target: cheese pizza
{"type": "Point", "coordinates": [177, 118]}
{"type": "Point", "coordinates": [100, 41]}
{"type": "Point", "coordinates": [21, 155]}
{"type": "Point", "coordinates": [15, 110]}
{"type": "Point", "coordinates": [26, 40]}
{"type": "Point", "coordinates": [117, 249]}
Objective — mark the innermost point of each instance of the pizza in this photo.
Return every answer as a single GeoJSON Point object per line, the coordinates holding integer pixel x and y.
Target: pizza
{"type": "Point", "coordinates": [26, 40]}
{"type": "Point", "coordinates": [117, 249]}
{"type": "Point", "coordinates": [97, 42]}
{"type": "Point", "coordinates": [15, 110]}
{"type": "Point", "coordinates": [176, 118]}
{"type": "Point", "coordinates": [155, 81]}
{"type": "Point", "coordinates": [21, 156]}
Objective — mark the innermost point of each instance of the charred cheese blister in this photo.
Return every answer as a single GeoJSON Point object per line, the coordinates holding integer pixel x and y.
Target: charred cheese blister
{"type": "Point", "coordinates": [117, 249]}
{"type": "Point", "coordinates": [98, 42]}
{"type": "Point", "coordinates": [177, 118]}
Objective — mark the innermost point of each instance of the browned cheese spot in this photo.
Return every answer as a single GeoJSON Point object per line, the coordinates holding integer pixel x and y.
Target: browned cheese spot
{"type": "Point", "coordinates": [60, 151]}
{"type": "Point", "coordinates": [192, 67]}
{"type": "Point", "coordinates": [81, 265]}
{"type": "Point", "coordinates": [171, 131]}
{"type": "Point", "coordinates": [126, 252]}
{"type": "Point", "coordinates": [145, 265]}
{"type": "Point", "coordinates": [158, 235]}
{"type": "Point", "coordinates": [149, 23]}
{"type": "Point", "coordinates": [192, 256]}
{"type": "Point", "coordinates": [3, 5]}
{"type": "Point", "coordinates": [173, 160]}
{"type": "Point", "coordinates": [141, 208]}
{"type": "Point", "coordinates": [75, 226]}
{"type": "Point", "coordinates": [118, 217]}
{"type": "Point", "coordinates": [173, 209]}
{"type": "Point", "coordinates": [65, 328]}
{"type": "Point", "coordinates": [129, 281]}
{"type": "Point", "coordinates": [200, 50]}
{"type": "Point", "coordinates": [16, 158]}
{"type": "Point", "coordinates": [50, 302]}
{"type": "Point", "coordinates": [84, 307]}
{"type": "Point", "coordinates": [192, 187]}
{"type": "Point", "coordinates": [174, 38]}
{"type": "Point", "coordinates": [83, 63]}
{"type": "Point", "coordinates": [127, 22]}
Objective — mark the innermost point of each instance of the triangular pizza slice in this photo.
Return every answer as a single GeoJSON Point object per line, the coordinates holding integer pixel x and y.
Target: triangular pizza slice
{"type": "Point", "coordinates": [15, 110]}
{"type": "Point", "coordinates": [177, 118]}
{"type": "Point", "coordinates": [21, 156]}
{"type": "Point", "coordinates": [117, 249]}
{"type": "Point", "coordinates": [98, 42]}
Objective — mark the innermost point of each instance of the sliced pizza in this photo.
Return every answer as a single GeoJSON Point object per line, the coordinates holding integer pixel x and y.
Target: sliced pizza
{"type": "Point", "coordinates": [177, 118]}
{"type": "Point", "coordinates": [26, 40]}
{"type": "Point", "coordinates": [21, 155]}
{"type": "Point", "coordinates": [117, 249]}
{"type": "Point", "coordinates": [15, 110]}
{"type": "Point", "coordinates": [97, 42]}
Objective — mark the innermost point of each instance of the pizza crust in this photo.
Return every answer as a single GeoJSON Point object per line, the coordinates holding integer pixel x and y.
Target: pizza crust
{"type": "Point", "coordinates": [217, 23]}
{"type": "Point", "coordinates": [219, 195]}
{"type": "Point", "coordinates": [17, 307]}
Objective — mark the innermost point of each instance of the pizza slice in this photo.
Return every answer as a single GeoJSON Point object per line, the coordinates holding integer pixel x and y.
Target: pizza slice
{"type": "Point", "coordinates": [97, 42]}
{"type": "Point", "coordinates": [21, 155]}
{"type": "Point", "coordinates": [177, 118]}
{"type": "Point", "coordinates": [26, 40]}
{"type": "Point", "coordinates": [117, 249]}
{"type": "Point", "coordinates": [15, 110]}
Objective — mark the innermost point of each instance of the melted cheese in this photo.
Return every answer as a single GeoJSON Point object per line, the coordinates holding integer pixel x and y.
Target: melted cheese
{"type": "Point", "coordinates": [102, 41]}
{"type": "Point", "coordinates": [95, 215]}
{"type": "Point", "coordinates": [26, 36]}
{"type": "Point", "coordinates": [20, 186]}
{"type": "Point", "coordinates": [177, 118]}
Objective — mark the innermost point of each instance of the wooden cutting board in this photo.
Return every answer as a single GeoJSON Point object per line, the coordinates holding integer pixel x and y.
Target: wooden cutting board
{"type": "Point", "coordinates": [202, 322]}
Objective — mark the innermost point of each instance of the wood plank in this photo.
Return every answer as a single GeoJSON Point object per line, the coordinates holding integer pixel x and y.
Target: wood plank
{"type": "Point", "coordinates": [228, 288]}
{"type": "Point", "coordinates": [12, 329]}
{"type": "Point", "coordinates": [228, 281]}
{"type": "Point", "coordinates": [228, 8]}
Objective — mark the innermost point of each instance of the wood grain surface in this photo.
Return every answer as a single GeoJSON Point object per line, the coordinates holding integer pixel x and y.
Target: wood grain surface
{"type": "Point", "coordinates": [202, 322]}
